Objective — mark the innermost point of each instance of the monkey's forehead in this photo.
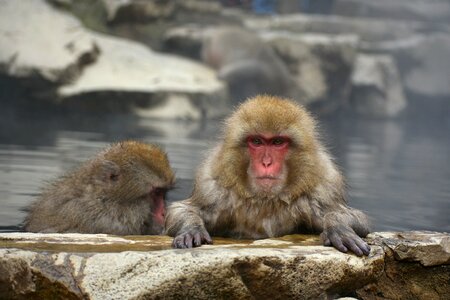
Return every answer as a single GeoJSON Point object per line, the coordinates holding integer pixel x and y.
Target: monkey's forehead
{"type": "Point", "coordinates": [150, 155]}
{"type": "Point", "coordinates": [268, 114]}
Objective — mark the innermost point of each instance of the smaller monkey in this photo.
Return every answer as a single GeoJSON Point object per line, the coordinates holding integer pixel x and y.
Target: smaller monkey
{"type": "Point", "coordinates": [120, 191]}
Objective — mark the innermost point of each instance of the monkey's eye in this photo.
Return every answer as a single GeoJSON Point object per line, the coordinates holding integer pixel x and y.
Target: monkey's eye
{"type": "Point", "coordinates": [113, 177]}
{"type": "Point", "coordinates": [256, 141]}
{"type": "Point", "coordinates": [278, 141]}
{"type": "Point", "coordinates": [159, 191]}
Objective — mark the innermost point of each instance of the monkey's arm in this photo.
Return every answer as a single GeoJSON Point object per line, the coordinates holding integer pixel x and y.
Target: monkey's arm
{"type": "Point", "coordinates": [343, 228]}
{"type": "Point", "coordinates": [183, 221]}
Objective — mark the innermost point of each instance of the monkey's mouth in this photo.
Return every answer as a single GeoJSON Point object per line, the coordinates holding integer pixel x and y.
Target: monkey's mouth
{"type": "Point", "coordinates": [267, 182]}
{"type": "Point", "coordinates": [267, 177]}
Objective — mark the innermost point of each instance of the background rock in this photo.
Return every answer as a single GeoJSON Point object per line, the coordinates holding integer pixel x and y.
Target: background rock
{"type": "Point", "coordinates": [320, 64]}
{"type": "Point", "coordinates": [376, 87]}
{"type": "Point", "coordinates": [138, 11]}
{"type": "Point", "coordinates": [54, 50]}
{"type": "Point", "coordinates": [149, 83]}
{"type": "Point", "coordinates": [368, 30]}
{"type": "Point", "coordinates": [423, 10]}
{"type": "Point", "coordinates": [90, 71]}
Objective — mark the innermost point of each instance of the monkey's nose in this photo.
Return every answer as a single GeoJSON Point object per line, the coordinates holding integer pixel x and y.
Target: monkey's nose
{"type": "Point", "coordinates": [267, 161]}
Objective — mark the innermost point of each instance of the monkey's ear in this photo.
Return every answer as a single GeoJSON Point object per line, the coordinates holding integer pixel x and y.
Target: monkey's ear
{"type": "Point", "coordinates": [109, 171]}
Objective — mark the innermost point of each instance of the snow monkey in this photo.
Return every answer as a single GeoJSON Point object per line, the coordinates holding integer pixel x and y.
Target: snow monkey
{"type": "Point", "coordinates": [120, 191]}
{"type": "Point", "coordinates": [268, 176]}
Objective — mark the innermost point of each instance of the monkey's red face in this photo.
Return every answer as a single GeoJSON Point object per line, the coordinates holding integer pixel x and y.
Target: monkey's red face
{"type": "Point", "coordinates": [267, 160]}
{"type": "Point", "coordinates": [158, 206]}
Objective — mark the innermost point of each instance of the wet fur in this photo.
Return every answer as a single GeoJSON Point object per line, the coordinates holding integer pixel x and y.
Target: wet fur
{"type": "Point", "coordinates": [223, 202]}
{"type": "Point", "coordinates": [86, 200]}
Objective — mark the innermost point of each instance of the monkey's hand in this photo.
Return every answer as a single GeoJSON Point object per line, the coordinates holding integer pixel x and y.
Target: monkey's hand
{"type": "Point", "coordinates": [193, 237]}
{"type": "Point", "coordinates": [343, 238]}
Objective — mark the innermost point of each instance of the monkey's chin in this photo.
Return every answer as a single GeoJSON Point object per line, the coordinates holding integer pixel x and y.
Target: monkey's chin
{"type": "Point", "coordinates": [267, 185]}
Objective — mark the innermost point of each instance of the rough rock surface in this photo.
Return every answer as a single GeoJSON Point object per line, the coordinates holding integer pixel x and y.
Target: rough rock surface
{"type": "Point", "coordinates": [427, 248]}
{"type": "Point", "coordinates": [377, 87]}
{"type": "Point", "coordinates": [417, 266]}
{"type": "Point", "coordinates": [107, 267]}
{"type": "Point", "coordinates": [99, 72]}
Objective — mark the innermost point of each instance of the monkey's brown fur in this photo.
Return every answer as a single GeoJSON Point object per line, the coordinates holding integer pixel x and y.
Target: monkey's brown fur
{"type": "Point", "coordinates": [110, 193]}
{"type": "Point", "coordinates": [312, 199]}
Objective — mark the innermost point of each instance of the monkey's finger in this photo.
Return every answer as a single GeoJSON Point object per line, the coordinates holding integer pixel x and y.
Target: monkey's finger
{"type": "Point", "coordinates": [363, 246]}
{"type": "Point", "coordinates": [178, 242]}
{"type": "Point", "coordinates": [207, 238]}
{"type": "Point", "coordinates": [188, 240]}
{"type": "Point", "coordinates": [325, 239]}
{"type": "Point", "coordinates": [337, 243]}
{"type": "Point", "coordinates": [197, 239]}
{"type": "Point", "coordinates": [351, 244]}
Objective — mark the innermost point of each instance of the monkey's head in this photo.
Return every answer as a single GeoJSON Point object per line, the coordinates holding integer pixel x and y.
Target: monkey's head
{"type": "Point", "coordinates": [131, 172]}
{"type": "Point", "coordinates": [269, 148]}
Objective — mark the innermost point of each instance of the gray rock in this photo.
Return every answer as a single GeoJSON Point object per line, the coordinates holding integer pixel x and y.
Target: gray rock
{"type": "Point", "coordinates": [88, 266]}
{"type": "Point", "coordinates": [376, 87]}
{"type": "Point", "coordinates": [94, 71]}
{"type": "Point", "coordinates": [423, 10]}
{"type": "Point", "coordinates": [108, 267]}
{"type": "Point", "coordinates": [41, 46]}
{"type": "Point", "coordinates": [186, 40]}
{"type": "Point", "coordinates": [422, 60]}
{"type": "Point", "coordinates": [320, 64]}
{"type": "Point", "coordinates": [427, 248]}
{"type": "Point", "coordinates": [368, 30]}
{"type": "Point", "coordinates": [247, 64]}
{"type": "Point", "coordinates": [138, 11]}
{"type": "Point", "coordinates": [164, 86]}
{"type": "Point", "coordinates": [417, 262]}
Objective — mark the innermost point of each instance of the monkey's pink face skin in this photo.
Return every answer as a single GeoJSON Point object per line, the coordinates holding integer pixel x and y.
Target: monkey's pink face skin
{"type": "Point", "coordinates": [159, 206]}
{"type": "Point", "coordinates": [267, 155]}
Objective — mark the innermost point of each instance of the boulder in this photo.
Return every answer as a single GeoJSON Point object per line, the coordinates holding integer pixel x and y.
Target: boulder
{"type": "Point", "coordinates": [76, 266]}
{"type": "Point", "coordinates": [376, 87]}
{"type": "Point", "coordinates": [119, 11]}
{"type": "Point", "coordinates": [320, 64]}
{"type": "Point", "coordinates": [368, 30]}
{"type": "Point", "coordinates": [422, 62]}
{"type": "Point", "coordinates": [93, 71]}
{"type": "Point", "coordinates": [417, 261]}
{"type": "Point", "coordinates": [422, 10]}
{"type": "Point", "coordinates": [40, 46]}
{"type": "Point", "coordinates": [185, 40]}
{"type": "Point", "coordinates": [147, 83]}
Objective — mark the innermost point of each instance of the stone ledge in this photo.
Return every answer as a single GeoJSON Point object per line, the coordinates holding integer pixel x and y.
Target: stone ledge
{"type": "Point", "coordinates": [86, 266]}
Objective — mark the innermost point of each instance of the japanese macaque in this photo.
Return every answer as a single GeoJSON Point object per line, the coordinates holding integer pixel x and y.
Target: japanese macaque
{"type": "Point", "coordinates": [120, 191]}
{"type": "Point", "coordinates": [246, 63]}
{"type": "Point", "coordinates": [269, 176]}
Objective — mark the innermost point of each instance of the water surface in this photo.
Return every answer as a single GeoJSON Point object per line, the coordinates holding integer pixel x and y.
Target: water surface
{"type": "Point", "coordinates": [397, 172]}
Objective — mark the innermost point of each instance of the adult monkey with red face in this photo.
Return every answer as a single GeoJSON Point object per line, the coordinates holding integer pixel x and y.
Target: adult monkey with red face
{"type": "Point", "coordinates": [269, 176]}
